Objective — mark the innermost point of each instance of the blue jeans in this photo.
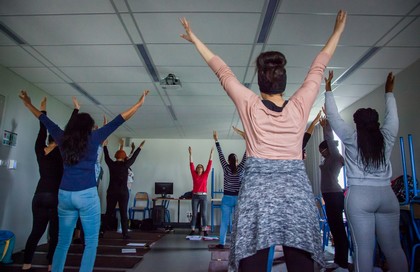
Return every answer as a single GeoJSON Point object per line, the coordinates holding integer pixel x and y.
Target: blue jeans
{"type": "Point", "coordinates": [202, 200]}
{"type": "Point", "coordinates": [71, 205]}
{"type": "Point", "coordinates": [228, 204]}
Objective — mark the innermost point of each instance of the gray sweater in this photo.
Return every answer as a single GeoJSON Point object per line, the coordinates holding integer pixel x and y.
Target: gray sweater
{"type": "Point", "coordinates": [331, 166]}
{"type": "Point", "coordinates": [356, 174]}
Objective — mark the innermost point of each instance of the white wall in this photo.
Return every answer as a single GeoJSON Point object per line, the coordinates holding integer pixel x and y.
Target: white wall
{"type": "Point", "coordinates": [167, 160]}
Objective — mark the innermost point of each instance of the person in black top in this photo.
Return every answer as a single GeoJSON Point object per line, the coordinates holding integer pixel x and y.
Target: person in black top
{"type": "Point", "coordinates": [117, 189]}
{"type": "Point", "coordinates": [45, 200]}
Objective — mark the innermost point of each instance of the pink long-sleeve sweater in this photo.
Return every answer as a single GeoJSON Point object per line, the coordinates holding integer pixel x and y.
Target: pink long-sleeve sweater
{"type": "Point", "coordinates": [270, 134]}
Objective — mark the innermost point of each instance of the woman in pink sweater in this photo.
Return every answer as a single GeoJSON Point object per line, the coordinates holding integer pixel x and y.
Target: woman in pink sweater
{"type": "Point", "coordinates": [275, 204]}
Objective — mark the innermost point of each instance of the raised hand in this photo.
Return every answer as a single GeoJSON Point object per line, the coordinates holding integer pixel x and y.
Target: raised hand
{"type": "Point", "coordinates": [189, 150]}
{"type": "Point", "coordinates": [240, 132]}
{"type": "Point", "coordinates": [323, 121]}
{"type": "Point", "coordinates": [340, 21]}
{"type": "Point", "coordinates": [76, 103]}
{"type": "Point", "coordinates": [389, 85]}
{"type": "Point", "coordinates": [141, 144]}
{"type": "Point", "coordinates": [189, 35]}
{"type": "Point", "coordinates": [25, 97]}
{"type": "Point", "coordinates": [328, 81]}
{"type": "Point", "coordinates": [105, 120]}
{"type": "Point", "coordinates": [133, 146]}
{"type": "Point", "coordinates": [43, 106]}
{"type": "Point", "coordinates": [215, 136]}
{"type": "Point", "coordinates": [143, 97]}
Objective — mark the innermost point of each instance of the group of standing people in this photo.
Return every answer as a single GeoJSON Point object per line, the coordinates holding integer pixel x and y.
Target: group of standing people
{"type": "Point", "coordinates": [77, 192]}
{"type": "Point", "coordinates": [275, 203]}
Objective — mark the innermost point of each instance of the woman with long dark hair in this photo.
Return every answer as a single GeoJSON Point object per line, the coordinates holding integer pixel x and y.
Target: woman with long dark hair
{"type": "Point", "coordinates": [232, 174]}
{"type": "Point", "coordinates": [45, 200]}
{"type": "Point", "coordinates": [276, 205]}
{"type": "Point", "coordinates": [78, 195]}
{"type": "Point", "coordinates": [371, 206]}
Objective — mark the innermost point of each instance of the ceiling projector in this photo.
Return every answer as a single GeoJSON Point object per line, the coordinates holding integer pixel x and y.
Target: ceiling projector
{"type": "Point", "coordinates": [171, 82]}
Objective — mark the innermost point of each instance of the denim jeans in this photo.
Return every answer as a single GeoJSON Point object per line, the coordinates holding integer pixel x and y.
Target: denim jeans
{"type": "Point", "coordinates": [71, 205]}
{"type": "Point", "coordinates": [202, 200]}
{"type": "Point", "coordinates": [228, 204]}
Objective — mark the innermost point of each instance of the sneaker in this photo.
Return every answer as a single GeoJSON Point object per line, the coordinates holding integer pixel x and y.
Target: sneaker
{"type": "Point", "coordinates": [192, 232]}
{"type": "Point", "coordinates": [219, 246]}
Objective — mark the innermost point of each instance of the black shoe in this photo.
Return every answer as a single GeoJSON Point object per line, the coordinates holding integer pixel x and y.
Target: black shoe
{"type": "Point", "coordinates": [192, 232]}
{"type": "Point", "coordinates": [101, 234]}
{"type": "Point", "coordinates": [205, 233]}
{"type": "Point", "coordinates": [125, 237]}
{"type": "Point", "coordinates": [220, 246]}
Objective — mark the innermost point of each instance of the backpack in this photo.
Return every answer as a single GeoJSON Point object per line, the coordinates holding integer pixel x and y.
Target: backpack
{"type": "Point", "coordinates": [7, 244]}
{"type": "Point", "coordinates": [398, 187]}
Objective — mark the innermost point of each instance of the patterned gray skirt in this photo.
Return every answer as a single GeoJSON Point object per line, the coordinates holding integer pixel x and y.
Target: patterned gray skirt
{"type": "Point", "coordinates": [276, 206]}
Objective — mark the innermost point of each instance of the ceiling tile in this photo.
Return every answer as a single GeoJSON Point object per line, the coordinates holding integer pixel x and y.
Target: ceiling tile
{"type": "Point", "coordinates": [68, 29]}
{"type": "Point", "coordinates": [107, 74]}
{"type": "Point", "coordinates": [391, 58]}
{"type": "Point", "coordinates": [377, 7]}
{"type": "Point", "coordinates": [204, 24]}
{"type": "Point", "coordinates": [15, 56]}
{"type": "Point", "coordinates": [409, 36]}
{"type": "Point", "coordinates": [123, 88]}
{"type": "Point", "coordinates": [37, 75]}
{"type": "Point", "coordinates": [196, 6]}
{"type": "Point", "coordinates": [5, 40]}
{"type": "Point", "coordinates": [197, 74]}
{"type": "Point", "coordinates": [369, 76]}
{"type": "Point", "coordinates": [353, 90]}
{"type": "Point", "coordinates": [128, 100]}
{"type": "Point", "coordinates": [26, 7]}
{"type": "Point", "coordinates": [198, 89]}
{"type": "Point", "coordinates": [59, 89]}
{"type": "Point", "coordinates": [174, 54]}
{"type": "Point", "coordinates": [91, 55]}
{"type": "Point", "coordinates": [311, 29]}
{"type": "Point", "coordinates": [221, 100]}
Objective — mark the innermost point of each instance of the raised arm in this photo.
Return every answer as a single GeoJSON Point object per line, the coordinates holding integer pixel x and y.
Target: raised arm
{"type": "Point", "coordinates": [133, 109]}
{"type": "Point", "coordinates": [391, 122]}
{"type": "Point", "coordinates": [344, 131]}
{"type": "Point", "coordinates": [108, 159]}
{"type": "Point", "coordinates": [219, 150]}
{"type": "Point", "coordinates": [190, 36]}
{"type": "Point", "coordinates": [23, 95]}
{"type": "Point", "coordinates": [311, 127]}
{"type": "Point", "coordinates": [211, 153]}
{"type": "Point", "coordinates": [42, 134]}
{"type": "Point", "coordinates": [329, 137]}
{"type": "Point", "coordinates": [133, 157]}
{"type": "Point", "coordinates": [340, 23]}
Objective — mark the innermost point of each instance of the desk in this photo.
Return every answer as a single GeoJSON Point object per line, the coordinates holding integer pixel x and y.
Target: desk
{"type": "Point", "coordinates": [179, 224]}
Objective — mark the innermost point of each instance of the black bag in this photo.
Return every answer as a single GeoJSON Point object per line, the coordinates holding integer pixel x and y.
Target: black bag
{"type": "Point", "coordinates": [187, 195]}
{"type": "Point", "coordinates": [147, 225]}
{"type": "Point", "coordinates": [158, 215]}
{"type": "Point", "coordinates": [135, 224]}
{"type": "Point", "coordinates": [398, 187]}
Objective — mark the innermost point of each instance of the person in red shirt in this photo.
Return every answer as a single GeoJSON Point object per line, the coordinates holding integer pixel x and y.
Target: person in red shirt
{"type": "Point", "coordinates": [199, 193]}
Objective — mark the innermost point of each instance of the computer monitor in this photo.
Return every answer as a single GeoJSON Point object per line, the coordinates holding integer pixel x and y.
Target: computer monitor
{"type": "Point", "coordinates": [164, 188]}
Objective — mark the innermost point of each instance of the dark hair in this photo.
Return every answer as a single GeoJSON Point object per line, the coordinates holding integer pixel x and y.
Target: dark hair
{"type": "Point", "coordinates": [323, 145]}
{"type": "Point", "coordinates": [198, 166]}
{"type": "Point", "coordinates": [271, 72]}
{"type": "Point", "coordinates": [232, 159]}
{"type": "Point", "coordinates": [75, 138]}
{"type": "Point", "coordinates": [370, 141]}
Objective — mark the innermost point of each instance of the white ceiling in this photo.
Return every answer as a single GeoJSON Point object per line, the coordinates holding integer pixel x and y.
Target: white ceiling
{"type": "Point", "coordinates": [93, 44]}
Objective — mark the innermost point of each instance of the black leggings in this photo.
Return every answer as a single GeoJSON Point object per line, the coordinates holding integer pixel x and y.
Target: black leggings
{"type": "Point", "coordinates": [44, 210]}
{"type": "Point", "coordinates": [296, 260]}
{"type": "Point", "coordinates": [111, 202]}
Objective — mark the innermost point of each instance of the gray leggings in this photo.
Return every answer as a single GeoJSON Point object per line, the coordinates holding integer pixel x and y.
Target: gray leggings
{"type": "Point", "coordinates": [374, 212]}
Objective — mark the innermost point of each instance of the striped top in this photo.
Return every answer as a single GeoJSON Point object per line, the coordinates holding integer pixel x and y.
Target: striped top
{"type": "Point", "coordinates": [231, 182]}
